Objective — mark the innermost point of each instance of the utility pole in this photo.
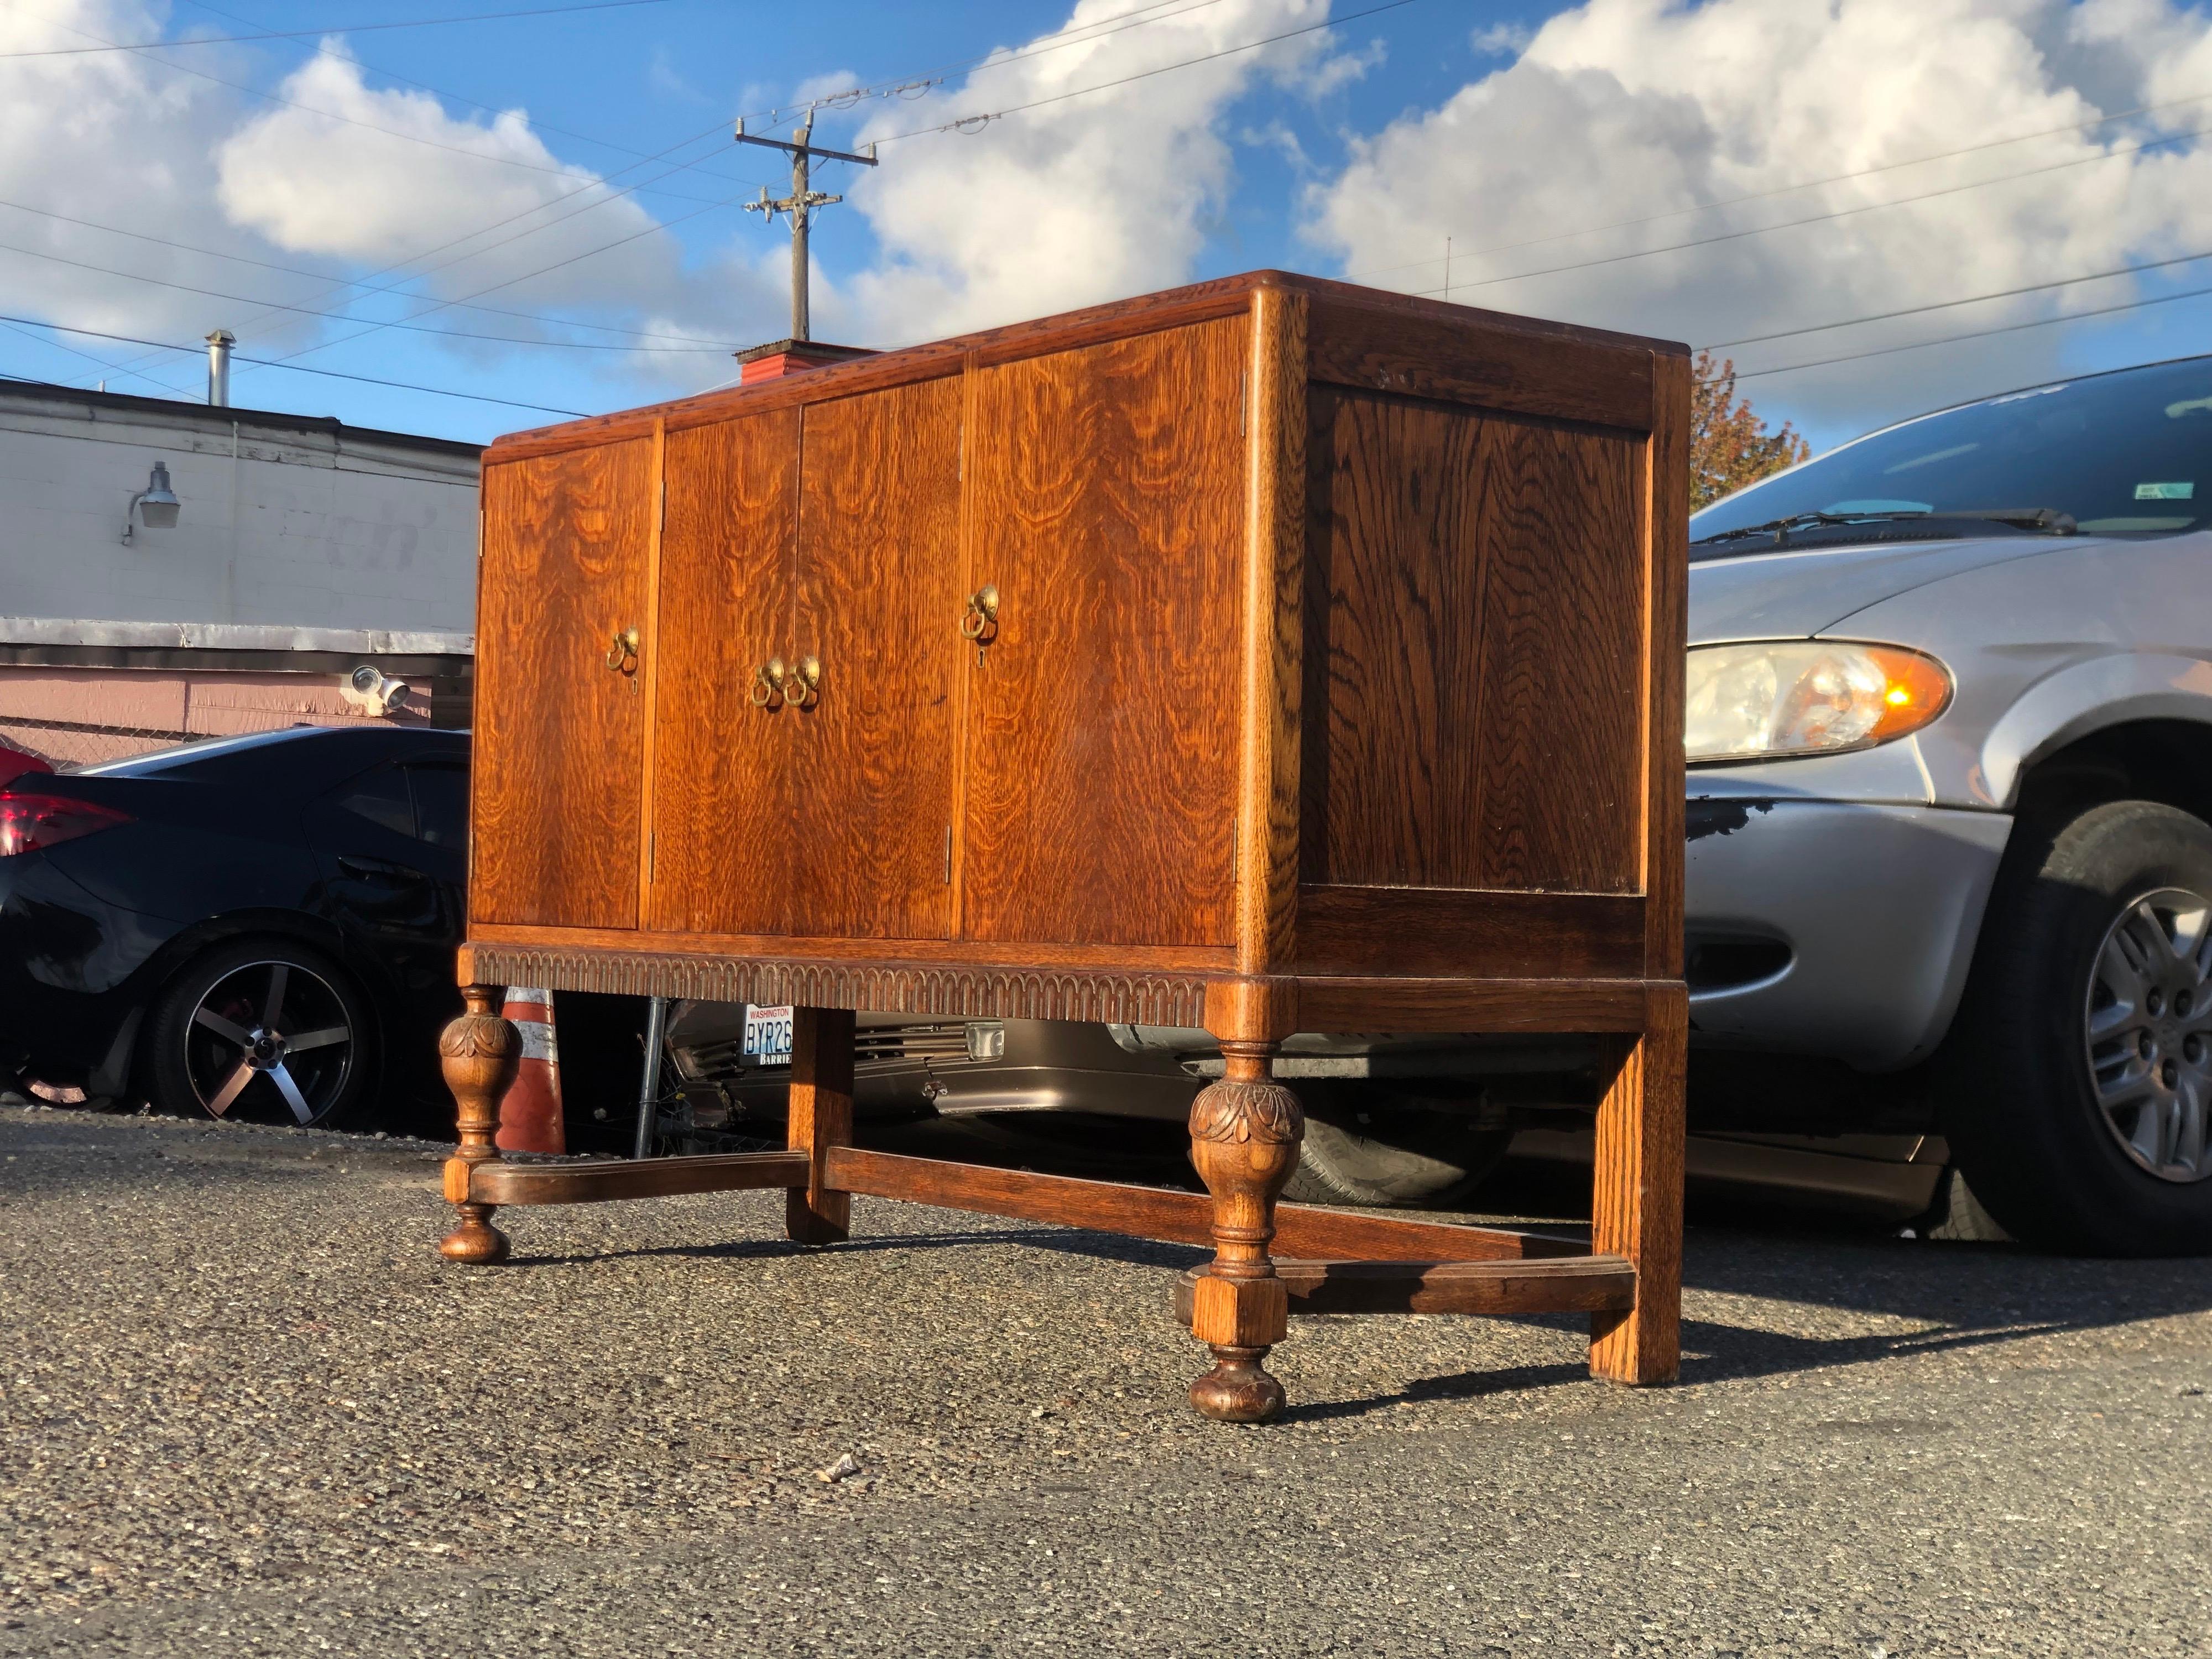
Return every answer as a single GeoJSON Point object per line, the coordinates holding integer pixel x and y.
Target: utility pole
{"type": "Point", "coordinates": [799, 205]}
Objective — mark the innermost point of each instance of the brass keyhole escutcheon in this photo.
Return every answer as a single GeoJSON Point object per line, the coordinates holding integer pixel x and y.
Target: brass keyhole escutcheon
{"type": "Point", "coordinates": [981, 624]}
{"type": "Point", "coordinates": [622, 654]}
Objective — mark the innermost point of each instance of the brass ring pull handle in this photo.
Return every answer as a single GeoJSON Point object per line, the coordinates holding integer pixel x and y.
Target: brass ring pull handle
{"type": "Point", "coordinates": [980, 624]}
{"type": "Point", "coordinates": [767, 690]}
{"type": "Point", "coordinates": [803, 689]}
{"type": "Point", "coordinates": [621, 652]}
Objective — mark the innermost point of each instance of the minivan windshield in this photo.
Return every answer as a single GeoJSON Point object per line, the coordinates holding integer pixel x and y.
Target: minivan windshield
{"type": "Point", "coordinates": [2127, 454]}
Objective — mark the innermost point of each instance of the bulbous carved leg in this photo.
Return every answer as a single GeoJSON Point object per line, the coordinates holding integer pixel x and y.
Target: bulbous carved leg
{"type": "Point", "coordinates": [1244, 1136]}
{"type": "Point", "coordinates": [479, 1054]}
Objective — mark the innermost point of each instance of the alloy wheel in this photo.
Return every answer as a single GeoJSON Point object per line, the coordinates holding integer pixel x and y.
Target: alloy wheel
{"type": "Point", "coordinates": [269, 1040]}
{"type": "Point", "coordinates": [2149, 1026]}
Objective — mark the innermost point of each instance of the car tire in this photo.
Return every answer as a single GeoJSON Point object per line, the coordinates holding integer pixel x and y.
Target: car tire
{"type": "Point", "coordinates": [2083, 1054]}
{"type": "Point", "coordinates": [1370, 1145]}
{"type": "Point", "coordinates": [312, 1068]}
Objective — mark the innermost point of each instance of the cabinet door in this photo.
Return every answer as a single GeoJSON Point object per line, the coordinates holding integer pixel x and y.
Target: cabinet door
{"type": "Point", "coordinates": [560, 743]}
{"type": "Point", "coordinates": [721, 804]}
{"type": "Point", "coordinates": [879, 606]}
{"type": "Point", "coordinates": [1107, 505]}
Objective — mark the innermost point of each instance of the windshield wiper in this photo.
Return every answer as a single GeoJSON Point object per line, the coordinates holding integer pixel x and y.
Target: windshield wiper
{"type": "Point", "coordinates": [2048, 521]}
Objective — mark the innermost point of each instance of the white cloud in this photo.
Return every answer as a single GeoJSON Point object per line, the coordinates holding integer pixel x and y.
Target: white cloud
{"type": "Point", "coordinates": [119, 139]}
{"type": "Point", "coordinates": [1088, 199]}
{"type": "Point", "coordinates": [1617, 110]}
{"type": "Point", "coordinates": [109, 138]}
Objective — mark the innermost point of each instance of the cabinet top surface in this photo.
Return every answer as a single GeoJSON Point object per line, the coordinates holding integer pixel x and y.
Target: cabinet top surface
{"type": "Point", "coordinates": [1222, 297]}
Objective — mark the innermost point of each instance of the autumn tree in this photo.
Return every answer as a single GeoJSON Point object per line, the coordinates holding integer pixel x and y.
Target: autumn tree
{"type": "Point", "coordinates": [1730, 445]}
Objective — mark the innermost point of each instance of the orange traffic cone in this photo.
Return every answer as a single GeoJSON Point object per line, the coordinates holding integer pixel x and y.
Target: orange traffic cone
{"type": "Point", "coordinates": [530, 1116]}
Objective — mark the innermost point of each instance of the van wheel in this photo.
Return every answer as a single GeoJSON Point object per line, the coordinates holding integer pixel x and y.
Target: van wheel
{"type": "Point", "coordinates": [2079, 1096]}
{"type": "Point", "coordinates": [1368, 1145]}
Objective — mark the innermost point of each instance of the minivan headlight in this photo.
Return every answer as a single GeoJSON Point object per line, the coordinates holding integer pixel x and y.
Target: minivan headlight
{"type": "Point", "coordinates": [1783, 697]}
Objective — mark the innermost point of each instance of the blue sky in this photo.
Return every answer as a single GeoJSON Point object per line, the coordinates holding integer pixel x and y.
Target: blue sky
{"type": "Point", "coordinates": [1829, 162]}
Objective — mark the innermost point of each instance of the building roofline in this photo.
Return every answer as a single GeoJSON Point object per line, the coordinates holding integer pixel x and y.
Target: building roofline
{"type": "Point", "coordinates": [74, 631]}
{"type": "Point", "coordinates": [221, 414]}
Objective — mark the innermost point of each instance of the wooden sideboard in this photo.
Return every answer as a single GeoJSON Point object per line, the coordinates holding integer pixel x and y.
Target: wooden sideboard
{"type": "Point", "coordinates": [1268, 655]}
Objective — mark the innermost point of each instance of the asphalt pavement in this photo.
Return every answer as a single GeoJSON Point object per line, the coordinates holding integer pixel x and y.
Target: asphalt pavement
{"type": "Point", "coordinates": [245, 1408]}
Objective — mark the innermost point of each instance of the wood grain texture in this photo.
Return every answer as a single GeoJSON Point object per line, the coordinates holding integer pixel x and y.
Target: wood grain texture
{"type": "Point", "coordinates": [876, 952]}
{"type": "Point", "coordinates": [1457, 359]}
{"type": "Point", "coordinates": [607, 1181]}
{"type": "Point", "coordinates": [1219, 297]}
{"type": "Point", "coordinates": [1666, 636]}
{"type": "Point", "coordinates": [558, 774]}
{"type": "Point", "coordinates": [1636, 1197]}
{"type": "Point", "coordinates": [1470, 933]}
{"type": "Point", "coordinates": [1476, 599]}
{"type": "Point", "coordinates": [821, 1117]}
{"type": "Point", "coordinates": [648, 674]}
{"type": "Point", "coordinates": [722, 781]}
{"type": "Point", "coordinates": [478, 1054]}
{"type": "Point", "coordinates": [1173, 1217]}
{"type": "Point", "coordinates": [880, 604]}
{"type": "Point", "coordinates": [1107, 500]}
{"type": "Point", "coordinates": [1274, 635]}
{"type": "Point", "coordinates": [1589, 1284]}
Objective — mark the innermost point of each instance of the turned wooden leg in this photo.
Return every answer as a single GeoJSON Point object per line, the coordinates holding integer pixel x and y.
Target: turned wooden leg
{"type": "Point", "coordinates": [821, 1117]}
{"type": "Point", "coordinates": [1635, 1200]}
{"type": "Point", "coordinates": [480, 1052]}
{"type": "Point", "coordinates": [1244, 1136]}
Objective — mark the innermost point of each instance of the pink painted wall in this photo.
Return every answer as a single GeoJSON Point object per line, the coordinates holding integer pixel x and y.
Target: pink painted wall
{"type": "Point", "coordinates": [79, 716]}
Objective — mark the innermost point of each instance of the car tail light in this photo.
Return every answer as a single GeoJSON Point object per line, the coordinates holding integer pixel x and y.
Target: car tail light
{"type": "Point", "coordinates": [30, 820]}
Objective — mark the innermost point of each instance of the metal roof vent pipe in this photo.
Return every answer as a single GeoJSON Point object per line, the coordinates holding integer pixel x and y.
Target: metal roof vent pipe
{"type": "Point", "coordinates": [219, 344]}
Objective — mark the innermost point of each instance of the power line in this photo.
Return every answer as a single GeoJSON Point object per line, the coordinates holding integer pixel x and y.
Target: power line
{"type": "Point", "coordinates": [1824, 218]}
{"type": "Point", "coordinates": [1786, 190]}
{"type": "Point", "coordinates": [263, 362]}
{"type": "Point", "coordinates": [587, 253]}
{"type": "Point", "coordinates": [309, 311]}
{"type": "Point", "coordinates": [537, 125]}
{"type": "Point", "coordinates": [439, 306]}
{"type": "Point", "coordinates": [977, 122]}
{"type": "Point", "coordinates": [1980, 333]}
{"type": "Point", "coordinates": [1112, 24]}
{"type": "Point", "coordinates": [325, 277]}
{"type": "Point", "coordinates": [352, 121]}
{"type": "Point", "coordinates": [1975, 300]}
{"type": "Point", "coordinates": [306, 34]}
{"type": "Point", "coordinates": [919, 83]}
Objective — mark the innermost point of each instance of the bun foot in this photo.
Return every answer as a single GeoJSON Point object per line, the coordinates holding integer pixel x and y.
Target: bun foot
{"type": "Point", "coordinates": [1237, 1390]}
{"type": "Point", "coordinates": [475, 1240]}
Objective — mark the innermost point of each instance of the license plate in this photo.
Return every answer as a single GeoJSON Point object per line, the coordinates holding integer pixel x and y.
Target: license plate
{"type": "Point", "coordinates": [767, 1036]}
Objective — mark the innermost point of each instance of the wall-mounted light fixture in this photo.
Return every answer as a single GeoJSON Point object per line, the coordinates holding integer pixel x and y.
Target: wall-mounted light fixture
{"type": "Point", "coordinates": [371, 690]}
{"type": "Point", "coordinates": [156, 504]}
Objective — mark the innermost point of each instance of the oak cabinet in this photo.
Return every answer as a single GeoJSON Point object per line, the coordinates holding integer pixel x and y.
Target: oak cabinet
{"type": "Point", "coordinates": [1271, 629]}
{"type": "Point", "coordinates": [1270, 656]}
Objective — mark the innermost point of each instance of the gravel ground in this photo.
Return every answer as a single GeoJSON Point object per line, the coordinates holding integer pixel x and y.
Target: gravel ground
{"type": "Point", "coordinates": [247, 1408]}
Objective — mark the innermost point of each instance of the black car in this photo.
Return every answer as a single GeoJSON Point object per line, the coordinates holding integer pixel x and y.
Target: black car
{"type": "Point", "coordinates": [260, 927]}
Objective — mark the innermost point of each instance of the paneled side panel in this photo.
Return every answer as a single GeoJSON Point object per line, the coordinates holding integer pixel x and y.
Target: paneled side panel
{"type": "Point", "coordinates": [559, 736]}
{"type": "Point", "coordinates": [722, 848]}
{"type": "Point", "coordinates": [879, 605]}
{"type": "Point", "coordinates": [1107, 505]}
{"type": "Point", "coordinates": [1474, 634]}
